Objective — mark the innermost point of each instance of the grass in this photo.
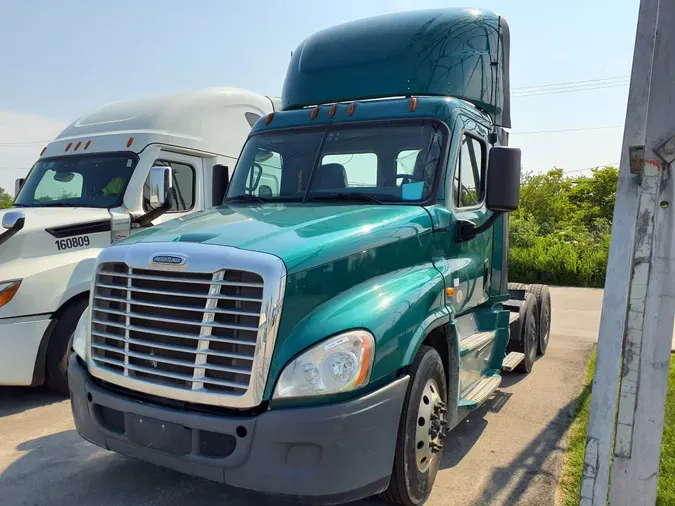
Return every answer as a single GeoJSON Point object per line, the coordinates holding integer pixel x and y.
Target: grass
{"type": "Point", "coordinates": [666, 487]}
{"type": "Point", "coordinates": [570, 477]}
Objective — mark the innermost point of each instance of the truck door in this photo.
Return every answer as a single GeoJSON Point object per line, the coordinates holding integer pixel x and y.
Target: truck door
{"type": "Point", "coordinates": [467, 202]}
{"type": "Point", "coordinates": [188, 192]}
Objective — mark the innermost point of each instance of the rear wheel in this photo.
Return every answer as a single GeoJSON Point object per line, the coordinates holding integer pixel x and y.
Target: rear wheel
{"type": "Point", "coordinates": [517, 286]}
{"type": "Point", "coordinates": [543, 297]}
{"type": "Point", "coordinates": [421, 432]}
{"type": "Point", "coordinates": [60, 344]}
{"type": "Point", "coordinates": [528, 335]}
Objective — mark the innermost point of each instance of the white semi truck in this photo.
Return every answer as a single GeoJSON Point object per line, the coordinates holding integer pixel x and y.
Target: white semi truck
{"type": "Point", "coordinates": [94, 185]}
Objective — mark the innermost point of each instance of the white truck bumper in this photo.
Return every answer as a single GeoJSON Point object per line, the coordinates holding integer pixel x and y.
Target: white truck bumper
{"type": "Point", "coordinates": [19, 343]}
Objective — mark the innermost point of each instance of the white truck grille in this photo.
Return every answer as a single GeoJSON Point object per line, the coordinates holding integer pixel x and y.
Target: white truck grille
{"type": "Point", "coordinates": [185, 330]}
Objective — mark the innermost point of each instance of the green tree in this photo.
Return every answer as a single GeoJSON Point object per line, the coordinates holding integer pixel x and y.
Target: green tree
{"type": "Point", "coordinates": [5, 200]}
{"type": "Point", "coordinates": [560, 233]}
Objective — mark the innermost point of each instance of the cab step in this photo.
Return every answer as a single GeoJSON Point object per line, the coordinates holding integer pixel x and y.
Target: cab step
{"type": "Point", "coordinates": [513, 316]}
{"type": "Point", "coordinates": [512, 360]}
{"type": "Point", "coordinates": [475, 342]}
{"type": "Point", "coordinates": [480, 392]}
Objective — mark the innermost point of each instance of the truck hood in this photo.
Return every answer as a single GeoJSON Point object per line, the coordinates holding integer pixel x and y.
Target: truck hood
{"type": "Point", "coordinates": [33, 241]}
{"type": "Point", "coordinates": [40, 218]}
{"type": "Point", "coordinates": [302, 235]}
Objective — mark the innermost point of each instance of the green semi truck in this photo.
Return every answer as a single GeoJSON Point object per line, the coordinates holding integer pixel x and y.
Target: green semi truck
{"type": "Point", "coordinates": [321, 333]}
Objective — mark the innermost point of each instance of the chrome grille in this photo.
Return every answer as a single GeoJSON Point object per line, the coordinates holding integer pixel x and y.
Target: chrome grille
{"type": "Point", "coordinates": [187, 330]}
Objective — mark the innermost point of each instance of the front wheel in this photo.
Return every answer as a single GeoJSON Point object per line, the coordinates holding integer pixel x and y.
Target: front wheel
{"type": "Point", "coordinates": [60, 344]}
{"type": "Point", "coordinates": [421, 432]}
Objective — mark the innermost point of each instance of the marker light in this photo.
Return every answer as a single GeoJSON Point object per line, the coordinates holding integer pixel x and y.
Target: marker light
{"type": "Point", "coordinates": [331, 113]}
{"type": "Point", "coordinates": [87, 145]}
{"type": "Point", "coordinates": [77, 146]}
{"type": "Point", "coordinates": [7, 290]}
{"type": "Point", "coordinates": [268, 119]}
{"type": "Point", "coordinates": [130, 142]}
{"type": "Point", "coordinates": [350, 111]}
{"type": "Point", "coordinates": [315, 111]}
{"type": "Point", "coordinates": [68, 146]}
{"type": "Point", "coordinates": [413, 104]}
{"type": "Point", "coordinates": [43, 151]}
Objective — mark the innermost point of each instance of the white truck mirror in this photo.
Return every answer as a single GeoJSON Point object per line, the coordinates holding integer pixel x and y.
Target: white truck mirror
{"type": "Point", "coordinates": [12, 219]}
{"type": "Point", "coordinates": [17, 186]}
{"type": "Point", "coordinates": [161, 179]}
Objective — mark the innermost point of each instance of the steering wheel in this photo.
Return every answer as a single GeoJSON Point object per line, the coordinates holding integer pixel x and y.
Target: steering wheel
{"type": "Point", "coordinates": [407, 178]}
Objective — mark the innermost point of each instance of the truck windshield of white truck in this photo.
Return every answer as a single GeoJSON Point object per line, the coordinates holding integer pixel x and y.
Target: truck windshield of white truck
{"type": "Point", "coordinates": [78, 181]}
{"type": "Point", "coordinates": [393, 162]}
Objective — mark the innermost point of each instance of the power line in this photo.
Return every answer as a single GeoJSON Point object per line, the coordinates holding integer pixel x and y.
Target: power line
{"type": "Point", "coordinates": [569, 83]}
{"type": "Point", "coordinates": [567, 130]}
{"type": "Point", "coordinates": [555, 91]}
{"type": "Point", "coordinates": [613, 164]}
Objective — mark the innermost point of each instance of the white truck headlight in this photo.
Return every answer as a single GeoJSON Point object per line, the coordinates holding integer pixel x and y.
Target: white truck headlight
{"type": "Point", "coordinates": [339, 364]}
{"type": "Point", "coordinates": [7, 290]}
{"type": "Point", "coordinates": [80, 337]}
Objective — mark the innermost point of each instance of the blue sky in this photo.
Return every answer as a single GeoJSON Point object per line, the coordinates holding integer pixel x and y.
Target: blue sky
{"type": "Point", "coordinates": [62, 59]}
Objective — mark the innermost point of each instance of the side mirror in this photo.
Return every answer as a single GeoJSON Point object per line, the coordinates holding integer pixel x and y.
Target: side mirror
{"type": "Point", "coordinates": [264, 191]}
{"type": "Point", "coordinates": [18, 184]}
{"type": "Point", "coordinates": [221, 180]}
{"type": "Point", "coordinates": [161, 179]}
{"type": "Point", "coordinates": [13, 222]}
{"type": "Point", "coordinates": [503, 179]}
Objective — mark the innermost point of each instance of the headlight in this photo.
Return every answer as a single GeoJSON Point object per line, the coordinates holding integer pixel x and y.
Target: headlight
{"type": "Point", "coordinates": [7, 290]}
{"type": "Point", "coordinates": [339, 364]}
{"type": "Point", "coordinates": [80, 338]}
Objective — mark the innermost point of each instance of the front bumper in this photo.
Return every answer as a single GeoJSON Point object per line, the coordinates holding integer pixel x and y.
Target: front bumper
{"type": "Point", "coordinates": [327, 454]}
{"type": "Point", "coordinates": [20, 340]}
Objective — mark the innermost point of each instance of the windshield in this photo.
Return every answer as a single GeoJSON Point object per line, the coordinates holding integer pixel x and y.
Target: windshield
{"type": "Point", "coordinates": [384, 162]}
{"type": "Point", "coordinates": [78, 181]}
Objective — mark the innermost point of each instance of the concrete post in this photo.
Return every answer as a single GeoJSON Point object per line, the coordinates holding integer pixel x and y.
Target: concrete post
{"type": "Point", "coordinates": [615, 300]}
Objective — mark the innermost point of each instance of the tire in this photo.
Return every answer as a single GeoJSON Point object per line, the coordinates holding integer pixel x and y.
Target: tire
{"type": "Point", "coordinates": [424, 407]}
{"type": "Point", "coordinates": [528, 335]}
{"type": "Point", "coordinates": [543, 297]}
{"type": "Point", "coordinates": [517, 286]}
{"type": "Point", "coordinates": [60, 344]}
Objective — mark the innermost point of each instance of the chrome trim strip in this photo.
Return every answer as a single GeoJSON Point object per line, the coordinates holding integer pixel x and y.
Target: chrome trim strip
{"type": "Point", "coordinates": [203, 259]}
{"type": "Point", "coordinates": [166, 292]}
{"type": "Point", "coordinates": [170, 347]}
{"type": "Point", "coordinates": [181, 280]}
{"type": "Point", "coordinates": [196, 309]}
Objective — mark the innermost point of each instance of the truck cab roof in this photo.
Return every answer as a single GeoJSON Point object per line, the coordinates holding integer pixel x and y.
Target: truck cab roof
{"type": "Point", "coordinates": [205, 119]}
{"type": "Point", "coordinates": [460, 53]}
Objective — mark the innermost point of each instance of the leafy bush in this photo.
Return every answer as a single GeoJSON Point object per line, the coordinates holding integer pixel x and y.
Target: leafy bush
{"type": "Point", "coordinates": [560, 233]}
{"type": "Point", "coordinates": [5, 199]}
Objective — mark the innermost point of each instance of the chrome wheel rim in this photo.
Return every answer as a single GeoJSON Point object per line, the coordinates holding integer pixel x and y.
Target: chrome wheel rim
{"type": "Point", "coordinates": [431, 426]}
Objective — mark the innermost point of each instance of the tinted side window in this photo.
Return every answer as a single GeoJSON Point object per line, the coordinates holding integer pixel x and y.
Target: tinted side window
{"type": "Point", "coordinates": [467, 182]}
{"type": "Point", "coordinates": [360, 168]}
{"type": "Point", "coordinates": [183, 186]}
{"type": "Point", "coordinates": [406, 160]}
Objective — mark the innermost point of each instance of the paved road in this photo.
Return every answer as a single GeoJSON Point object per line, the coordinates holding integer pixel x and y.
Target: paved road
{"type": "Point", "coordinates": [507, 453]}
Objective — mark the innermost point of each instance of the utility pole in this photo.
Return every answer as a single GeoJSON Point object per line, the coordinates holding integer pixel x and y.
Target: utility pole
{"type": "Point", "coordinates": [631, 378]}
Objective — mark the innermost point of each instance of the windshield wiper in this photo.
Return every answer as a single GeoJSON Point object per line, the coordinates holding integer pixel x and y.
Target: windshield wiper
{"type": "Point", "coordinates": [56, 204]}
{"type": "Point", "coordinates": [246, 198]}
{"type": "Point", "coordinates": [359, 197]}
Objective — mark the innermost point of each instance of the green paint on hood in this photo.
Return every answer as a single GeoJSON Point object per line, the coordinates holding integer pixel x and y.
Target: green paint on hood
{"type": "Point", "coordinates": [302, 235]}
